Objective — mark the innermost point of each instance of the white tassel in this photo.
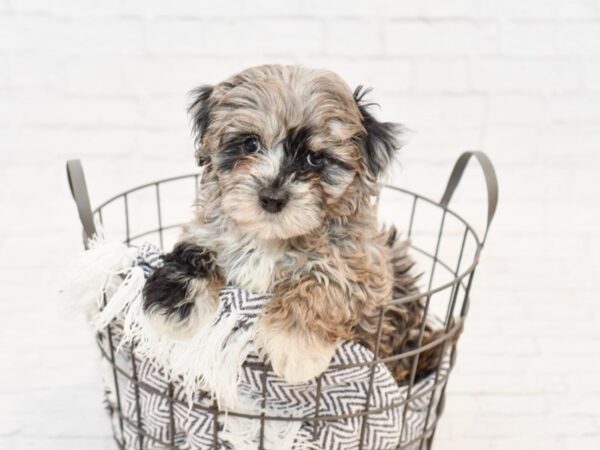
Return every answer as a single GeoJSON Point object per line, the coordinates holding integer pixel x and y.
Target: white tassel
{"type": "Point", "coordinates": [128, 291]}
{"type": "Point", "coordinates": [244, 433]}
{"type": "Point", "coordinates": [89, 276]}
{"type": "Point", "coordinates": [211, 359]}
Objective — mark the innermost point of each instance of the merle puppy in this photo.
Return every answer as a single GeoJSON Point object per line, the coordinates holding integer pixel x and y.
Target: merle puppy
{"type": "Point", "coordinates": [286, 205]}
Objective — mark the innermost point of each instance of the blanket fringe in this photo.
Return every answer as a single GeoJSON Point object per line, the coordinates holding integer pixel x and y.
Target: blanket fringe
{"type": "Point", "coordinates": [93, 273]}
{"type": "Point", "coordinates": [127, 292]}
{"type": "Point", "coordinates": [211, 360]}
{"type": "Point", "coordinates": [244, 433]}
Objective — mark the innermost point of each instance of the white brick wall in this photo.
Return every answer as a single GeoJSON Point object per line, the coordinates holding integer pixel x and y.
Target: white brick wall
{"type": "Point", "coordinates": [106, 81]}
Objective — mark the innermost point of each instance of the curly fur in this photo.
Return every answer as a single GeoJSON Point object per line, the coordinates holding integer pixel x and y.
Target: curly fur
{"type": "Point", "coordinates": [304, 135]}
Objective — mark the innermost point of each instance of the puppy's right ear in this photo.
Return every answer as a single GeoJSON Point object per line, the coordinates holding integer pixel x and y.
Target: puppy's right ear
{"type": "Point", "coordinates": [199, 111]}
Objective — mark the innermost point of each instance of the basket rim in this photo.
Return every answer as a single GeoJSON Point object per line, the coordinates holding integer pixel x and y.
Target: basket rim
{"type": "Point", "coordinates": [457, 278]}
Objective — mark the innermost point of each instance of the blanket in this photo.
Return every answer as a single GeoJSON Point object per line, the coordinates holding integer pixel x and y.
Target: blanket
{"type": "Point", "coordinates": [217, 374]}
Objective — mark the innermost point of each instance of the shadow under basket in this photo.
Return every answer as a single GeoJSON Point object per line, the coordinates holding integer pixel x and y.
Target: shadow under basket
{"type": "Point", "coordinates": [151, 411]}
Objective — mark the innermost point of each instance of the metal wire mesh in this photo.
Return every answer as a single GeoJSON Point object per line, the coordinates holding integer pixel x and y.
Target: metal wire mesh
{"type": "Point", "coordinates": [447, 249]}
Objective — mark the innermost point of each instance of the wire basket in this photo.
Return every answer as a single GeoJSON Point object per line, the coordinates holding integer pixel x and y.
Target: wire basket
{"type": "Point", "coordinates": [444, 244]}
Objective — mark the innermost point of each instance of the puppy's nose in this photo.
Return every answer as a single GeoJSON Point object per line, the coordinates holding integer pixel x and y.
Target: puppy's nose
{"type": "Point", "coordinates": [272, 201]}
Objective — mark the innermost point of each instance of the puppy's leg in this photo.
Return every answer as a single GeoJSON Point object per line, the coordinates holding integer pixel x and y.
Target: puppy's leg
{"type": "Point", "coordinates": [301, 327]}
{"type": "Point", "coordinates": [182, 295]}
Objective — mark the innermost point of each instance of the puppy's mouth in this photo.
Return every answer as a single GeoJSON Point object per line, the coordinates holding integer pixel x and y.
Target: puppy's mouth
{"type": "Point", "coordinates": [278, 218]}
{"type": "Point", "coordinates": [272, 213]}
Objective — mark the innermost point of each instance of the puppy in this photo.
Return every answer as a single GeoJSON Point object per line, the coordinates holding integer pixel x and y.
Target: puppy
{"type": "Point", "coordinates": [291, 159]}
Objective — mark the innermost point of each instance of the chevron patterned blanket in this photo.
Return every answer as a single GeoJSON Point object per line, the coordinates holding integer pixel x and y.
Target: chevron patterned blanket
{"type": "Point", "coordinates": [219, 367]}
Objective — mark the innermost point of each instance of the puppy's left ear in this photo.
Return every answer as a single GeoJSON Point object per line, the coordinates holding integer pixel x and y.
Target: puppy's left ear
{"type": "Point", "coordinates": [199, 111]}
{"type": "Point", "coordinates": [381, 140]}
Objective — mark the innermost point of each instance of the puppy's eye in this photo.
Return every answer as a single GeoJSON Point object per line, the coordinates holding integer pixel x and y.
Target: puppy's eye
{"type": "Point", "coordinates": [315, 159]}
{"type": "Point", "coordinates": [251, 145]}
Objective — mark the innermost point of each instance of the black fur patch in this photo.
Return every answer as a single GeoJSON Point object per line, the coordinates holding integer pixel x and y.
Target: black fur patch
{"type": "Point", "coordinates": [166, 289]}
{"type": "Point", "coordinates": [199, 111]}
{"type": "Point", "coordinates": [392, 236]}
{"type": "Point", "coordinates": [380, 140]}
{"type": "Point", "coordinates": [297, 149]}
{"type": "Point", "coordinates": [232, 150]}
{"type": "Point", "coordinates": [191, 259]}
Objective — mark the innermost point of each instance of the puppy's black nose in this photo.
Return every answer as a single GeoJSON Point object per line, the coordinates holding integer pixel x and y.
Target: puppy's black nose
{"type": "Point", "coordinates": [272, 201]}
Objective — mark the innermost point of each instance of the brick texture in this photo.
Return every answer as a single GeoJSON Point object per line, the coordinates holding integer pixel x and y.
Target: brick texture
{"type": "Point", "coordinates": [105, 81]}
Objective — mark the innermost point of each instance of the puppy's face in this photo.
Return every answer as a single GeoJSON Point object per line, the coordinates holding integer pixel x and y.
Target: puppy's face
{"type": "Point", "coordinates": [290, 148]}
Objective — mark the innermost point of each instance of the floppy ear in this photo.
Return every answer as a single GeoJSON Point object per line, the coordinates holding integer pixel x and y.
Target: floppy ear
{"type": "Point", "coordinates": [380, 140]}
{"type": "Point", "coordinates": [199, 111]}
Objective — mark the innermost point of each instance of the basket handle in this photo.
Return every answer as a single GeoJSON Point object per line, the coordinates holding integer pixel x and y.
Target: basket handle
{"type": "Point", "coordinates": [491, 182]}
{"type": "Point", "coordinates": [79, 191]}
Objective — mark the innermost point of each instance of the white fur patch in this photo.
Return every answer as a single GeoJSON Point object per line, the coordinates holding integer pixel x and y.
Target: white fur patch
{"type": "Point", "coordinates": [251, 267]}
{"type": "Point", "coordinates": [270, 164]}
{"type": "Point", "coordinates": [248, 262]}
{"type": "Point", "coordinates": [294, 356]}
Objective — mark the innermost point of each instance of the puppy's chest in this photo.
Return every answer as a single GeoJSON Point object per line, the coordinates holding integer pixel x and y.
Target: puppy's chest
{"type": "Point", "coordinates": [251, 267]}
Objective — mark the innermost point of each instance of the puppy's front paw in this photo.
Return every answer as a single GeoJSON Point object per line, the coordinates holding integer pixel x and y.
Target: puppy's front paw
{"type": "Point", "coordinates": [296, 356]}
{"type": "Point", "coordinates": [178, 309]}
{"type": "Point", "coordinates": [181, 296]}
